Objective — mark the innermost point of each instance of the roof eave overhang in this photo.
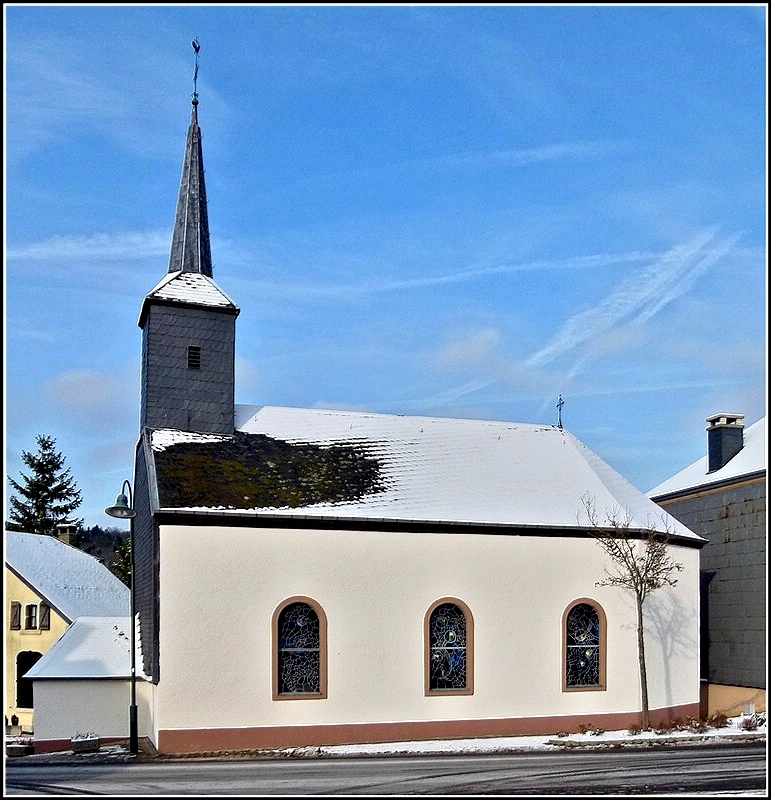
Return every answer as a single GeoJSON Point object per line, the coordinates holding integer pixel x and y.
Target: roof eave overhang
{"type": "Point", "coordinates": [713, 486]}
{"type": "Point", "coordinates": [158, 301]}
{"type": "Point", "coordinates": [246, 519]}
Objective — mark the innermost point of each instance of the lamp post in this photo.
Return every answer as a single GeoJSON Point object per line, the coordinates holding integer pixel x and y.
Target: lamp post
{"type": "Point", "coordinates": [124, 509]}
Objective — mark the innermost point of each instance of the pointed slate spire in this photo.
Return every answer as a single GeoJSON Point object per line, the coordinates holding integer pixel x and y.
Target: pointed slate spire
{"type": "Point", "coordinates": [190, 247]}
{"type": "Point", "coordinates": [188, 323]}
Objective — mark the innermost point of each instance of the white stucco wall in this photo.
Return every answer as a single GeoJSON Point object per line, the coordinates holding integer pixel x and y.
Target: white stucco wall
{"type": "Point", "coordinates": [219, 588]}
{"type": "Point", "coordinates": [64, 708]}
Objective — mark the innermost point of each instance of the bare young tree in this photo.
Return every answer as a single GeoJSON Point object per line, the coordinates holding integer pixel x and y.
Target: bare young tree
{"type": "Point", "coordinates": [642, 563]}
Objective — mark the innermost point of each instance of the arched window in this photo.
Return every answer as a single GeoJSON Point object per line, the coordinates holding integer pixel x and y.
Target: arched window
{"type": "Point", "coordinates": [299, 661]}
{"type": "Point", "coordinates": [448, 640]}
{"type": "Point", "coordinates": [583, 627]}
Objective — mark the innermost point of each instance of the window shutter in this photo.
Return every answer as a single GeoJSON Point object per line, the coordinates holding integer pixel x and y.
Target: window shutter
{"type": "Point", "coordinates": [15, 616]}
{"type": "Point", "coordinates": [45, 617]}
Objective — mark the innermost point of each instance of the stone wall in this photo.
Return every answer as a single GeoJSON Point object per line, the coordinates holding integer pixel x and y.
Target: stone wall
{"type": "Point", "coordinates": [733, 520]}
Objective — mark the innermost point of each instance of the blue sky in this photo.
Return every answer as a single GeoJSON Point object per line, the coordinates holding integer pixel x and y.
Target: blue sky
{"type": "Point", "coordinates": [460, 211]}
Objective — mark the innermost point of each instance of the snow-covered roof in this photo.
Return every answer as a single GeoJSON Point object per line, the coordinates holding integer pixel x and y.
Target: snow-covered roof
{"type": "Point", "coordinates": [69, 580]}
{"type": "Point", "coordinates": [750, 459]}
{"type": "Point", "coordinates": [190, 287]}
{"type": "Point", "coordinates": [442, 470]}
{"type": "Point", "coordinates": [92, 647]}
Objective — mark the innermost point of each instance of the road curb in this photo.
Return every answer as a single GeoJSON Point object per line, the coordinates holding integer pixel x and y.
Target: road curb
{"type": "Point", "coordinates": [662, 740]}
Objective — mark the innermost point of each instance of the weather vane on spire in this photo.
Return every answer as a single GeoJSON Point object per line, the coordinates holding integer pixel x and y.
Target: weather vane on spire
{"type": "Point", "coordinates": [197, 48]}
{"type": "Point", "coordinates": [560, 403]}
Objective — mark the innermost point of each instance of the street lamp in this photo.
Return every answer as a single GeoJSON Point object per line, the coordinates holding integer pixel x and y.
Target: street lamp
{"type": "Point", "coordinates": [124, 509]}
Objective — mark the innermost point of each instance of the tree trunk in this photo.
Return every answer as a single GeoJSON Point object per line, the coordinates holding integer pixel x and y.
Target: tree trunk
{"type": "Point", "coordinates": [645, 722]}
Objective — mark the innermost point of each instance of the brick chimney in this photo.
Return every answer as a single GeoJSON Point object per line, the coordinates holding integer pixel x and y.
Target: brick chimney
{"type": "Point", "coordinates": [65, 531]}
{"type": "Point", "coordinates": [725, 438]}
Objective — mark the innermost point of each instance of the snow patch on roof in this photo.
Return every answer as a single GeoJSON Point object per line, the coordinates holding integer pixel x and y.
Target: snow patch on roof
{"type": "Point", "coordinates": [167, 437]}
{"type": "Point", "coordinates": [751, 458]}
{"type": "Point", "coordinates": [191, 287]}
{"type": "Point", "coordinates": [460, 470]}
{"type": "Point", "coordinates": [69, 580]}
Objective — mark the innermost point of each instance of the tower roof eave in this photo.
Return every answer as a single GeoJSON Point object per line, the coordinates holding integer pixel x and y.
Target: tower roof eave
{"type": "Point", "coordinates": [190, 289]}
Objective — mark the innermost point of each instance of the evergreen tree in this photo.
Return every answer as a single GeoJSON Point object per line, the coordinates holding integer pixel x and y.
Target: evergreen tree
{"type": "Point", "coordinates": [121, 566]}
{"type": "Point", "coordinates": [101, 543]}
{"type": "Point", "coordinates": [49, 492]}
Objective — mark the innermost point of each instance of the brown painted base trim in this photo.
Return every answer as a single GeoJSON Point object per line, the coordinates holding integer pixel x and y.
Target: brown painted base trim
{"type": "Point", "coordinates": [213, 740]}
{"type": "Point", "coordinates": [58, 745]}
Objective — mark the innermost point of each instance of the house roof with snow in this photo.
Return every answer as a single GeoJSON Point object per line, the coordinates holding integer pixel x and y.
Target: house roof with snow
{"type": "Point", "coordinates": [361, 467]}
{"type": "Point", "coordinates": [92, 647]}
{"type": "Point", "coordinates": [70, 581]}
{"type": "Point", "coordinates": [749, 461]}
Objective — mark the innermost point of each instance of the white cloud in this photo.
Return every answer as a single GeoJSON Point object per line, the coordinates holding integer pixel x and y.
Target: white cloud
{"type": "Point", "coordinates": [482, 160]}
{"type": "Point", "coordinates": [614, 327]}
{"type": "Point", "coordinates": [351, 290]}
{"type": "Point", "coordinates": [247, 376]}
{"type": "Point", "coordinates": [524, 157]}
{"type": "Point", "coordinates": [482, 354]}
{"type": "Point", "coordinates": [90, 395]}
{"type": "Point", "coordinates": [120, 245]}
{"type": "Point", "coordinates": [450, 397]}
{"type": "Point", "coordinates": [474, 348]}
{"type": "Point", "coordinates": [56, 77]}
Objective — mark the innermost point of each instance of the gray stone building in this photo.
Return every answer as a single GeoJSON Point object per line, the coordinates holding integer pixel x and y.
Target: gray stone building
{"type": "Point", "coordinates": [722, 497]}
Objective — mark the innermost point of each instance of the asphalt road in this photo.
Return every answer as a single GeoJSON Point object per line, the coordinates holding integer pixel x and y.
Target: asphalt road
{"type": "Point", "coordinates": [692, 769]}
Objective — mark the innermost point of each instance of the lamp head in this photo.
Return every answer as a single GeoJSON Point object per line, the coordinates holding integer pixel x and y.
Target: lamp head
{"type": "Point", "coordinates": [121, 509]}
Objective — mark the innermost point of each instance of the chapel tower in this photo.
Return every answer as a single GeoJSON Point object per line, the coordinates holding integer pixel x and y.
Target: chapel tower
{"type": "Point", "coordinates": [188, 323]}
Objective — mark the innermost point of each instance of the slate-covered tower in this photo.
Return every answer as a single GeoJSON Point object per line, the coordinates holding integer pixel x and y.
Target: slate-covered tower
{"type": "Point", "coordinates": [188, 323]}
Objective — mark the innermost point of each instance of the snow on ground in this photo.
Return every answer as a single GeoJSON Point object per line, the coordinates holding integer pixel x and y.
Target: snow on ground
{"type": "Point", "coordinates": [504, 744]}
{"type": "Point", "coordinates": [508, 743]}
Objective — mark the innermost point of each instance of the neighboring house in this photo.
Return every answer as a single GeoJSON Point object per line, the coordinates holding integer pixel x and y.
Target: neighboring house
{"type": "Point", "coordinates": [722, 497]}
{"type": "Point", "coordinates": [308, 577]}
{"type": "Point", "coordinates": [83, 680]}
{"type": "Point", "coordinates": [48, 584]}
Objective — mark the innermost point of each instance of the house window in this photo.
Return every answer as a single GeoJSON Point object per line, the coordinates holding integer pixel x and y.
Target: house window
{"type": "Point", "coordinates": [299, 635]}
{"type": "Point", "coordinates": [45, 617]}
{"type": "Point", "coordinates": [15, 616]}
{"type": "Point", "coordinates": [584, 646]}
{"type": "Point", "coordinates": [448, 635]}
{"type": "Point", "coordinates": [30, 617]}
{"type": "Point", "coordinates": [193, 357]}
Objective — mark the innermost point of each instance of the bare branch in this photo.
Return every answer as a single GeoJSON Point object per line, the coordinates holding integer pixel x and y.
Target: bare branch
{"type": "Point", "coordinates": [640, 562]}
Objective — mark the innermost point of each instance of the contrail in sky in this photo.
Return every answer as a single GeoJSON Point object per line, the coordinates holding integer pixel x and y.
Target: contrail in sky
{"type": "Point", "coordinates": [638, 298]}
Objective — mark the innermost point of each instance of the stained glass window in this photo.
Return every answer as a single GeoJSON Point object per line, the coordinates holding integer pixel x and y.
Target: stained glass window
{"type": "Point", "coordinates": [299, 650]}
{"type": "Point", "coordinates": [447, 648]}
{"type": "Point", "coordinates": [583, 646]}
